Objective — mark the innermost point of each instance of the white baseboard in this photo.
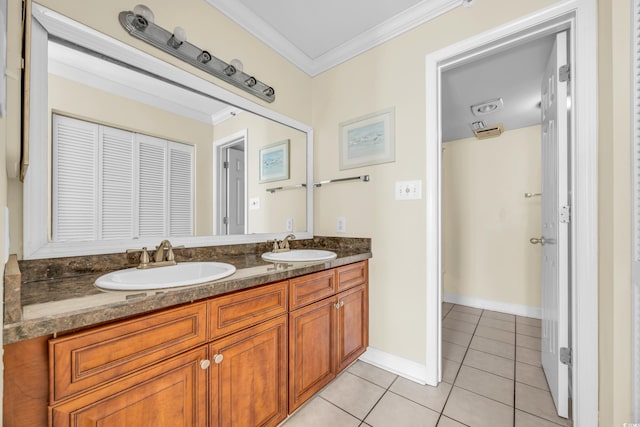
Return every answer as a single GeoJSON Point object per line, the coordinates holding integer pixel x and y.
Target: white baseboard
{"type": "Point", "coordinates": [408, 369]}
{"type": "Point", "coordinates": [503, 307]}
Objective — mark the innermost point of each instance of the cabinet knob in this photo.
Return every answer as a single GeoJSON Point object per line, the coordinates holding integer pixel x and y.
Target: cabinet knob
{"type": "Point", "coordinates": [204, 364]}
{"type": "Point", "coordinates": [339, 304]}
{"type": "Point", "coordinates": [218, 358]}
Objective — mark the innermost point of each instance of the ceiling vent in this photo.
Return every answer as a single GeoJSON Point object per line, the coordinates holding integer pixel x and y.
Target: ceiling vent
{"type": "Point", "coordinates": [489, 131]}
{"type": "Point", "coordinates": [487, 107]}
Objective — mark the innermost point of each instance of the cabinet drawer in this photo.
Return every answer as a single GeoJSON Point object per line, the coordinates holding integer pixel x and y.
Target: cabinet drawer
{"type": "Point", "coordinates": [311, 288]}
{"type": "Point", "coordinates": [243, 309]}
{"type": "Point", "coordinates": [93, 357]}
{"type": "Point", "coordinates": [352, 275]}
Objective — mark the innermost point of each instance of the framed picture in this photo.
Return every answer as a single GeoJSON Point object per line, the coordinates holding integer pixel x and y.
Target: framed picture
{"type": "Point", "coordinates": [368, 140]}
{"type": "Point", "coordinates": [274, 162]}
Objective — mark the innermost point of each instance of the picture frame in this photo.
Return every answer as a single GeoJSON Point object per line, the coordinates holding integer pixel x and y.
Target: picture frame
{"type": "Point", "coordinates": [368, 140]}
{"type": "Point", "coordinates": [274, 162]}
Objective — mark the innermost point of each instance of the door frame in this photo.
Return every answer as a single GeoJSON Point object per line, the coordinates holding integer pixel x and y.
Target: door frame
{"type": "Point", "coordinates": [580, 17]}
{"type": "Point", "coordinates": [218, 146]}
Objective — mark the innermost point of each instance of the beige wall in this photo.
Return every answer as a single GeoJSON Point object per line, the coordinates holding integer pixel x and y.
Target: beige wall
{"type": "Point", "coordinates": [486, 220]}
{"type": "Point", "coordinates": [275, 208]}
{"type": "Point", "coordinates": [392, 74]}
{"type": "Point", "coordinates": [614, 168]}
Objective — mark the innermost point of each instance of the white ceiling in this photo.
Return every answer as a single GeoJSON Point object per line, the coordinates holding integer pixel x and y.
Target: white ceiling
{"type": "Point", "coordinates": [317, 35]}
{"type": "Point", "coordinates": [515, 75]}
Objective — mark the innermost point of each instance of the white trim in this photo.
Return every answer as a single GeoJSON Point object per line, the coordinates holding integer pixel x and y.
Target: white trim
{"type": "Point", "coordinates": [36, 219]}
{"type": "Point", "coordinates": [502, 307]}
{"type": "Point", "coordinates": [581, 15]}
{"type": "Point", "coordinates": [422, 12]}
{"type": "Point", "coordinates": [408, 369]}
{"type": "Point", "coordinates": [635, 213]}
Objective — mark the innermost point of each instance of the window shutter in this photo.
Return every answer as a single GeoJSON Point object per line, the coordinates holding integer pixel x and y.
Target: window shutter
{"type": "Point", "coordinates": [75, 176]}
{"type": "Point", "coordinates": [180, 189]}
{"type": "Point", "coordinates": [117, 186]}
{"type": "Point", "coordinates": [152, 186]}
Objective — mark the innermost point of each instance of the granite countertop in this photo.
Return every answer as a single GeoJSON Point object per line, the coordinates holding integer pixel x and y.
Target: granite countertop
{"type": "Point", "coordinates": [59, 295]}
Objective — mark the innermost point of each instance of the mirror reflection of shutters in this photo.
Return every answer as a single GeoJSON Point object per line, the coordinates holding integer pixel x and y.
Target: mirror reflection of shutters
{"type": "Point", "coordinates": [75, 177]}
{"type": "Point", "coordinates": [117, 189]}
{"type": "Point", "coordinates": [180, 189]}
{"type": "Point", "coordinates": [152, 186]}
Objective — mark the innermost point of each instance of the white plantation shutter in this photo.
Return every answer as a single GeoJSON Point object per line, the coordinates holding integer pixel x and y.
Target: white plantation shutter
{"type": "Point", "coordinates": [635, 212]}
{"type": "Point", "coordinates": [113, 184]}
{"type": "Point", "coordinates": [117, 187]}
{"type": "Point", "coordinates": [75, 176]}
{"type": "Point", "coordinates": [181, 157]}
{"type": "Point", "coordinates": [152, 186]}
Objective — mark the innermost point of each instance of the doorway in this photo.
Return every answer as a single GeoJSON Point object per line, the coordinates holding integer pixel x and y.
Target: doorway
{"type": "Point", "coordinates": [579, 19]}
{"type": "Point", "coordinates": [230, 158]}
{"type": "Point", "coordinates": [503, 189]}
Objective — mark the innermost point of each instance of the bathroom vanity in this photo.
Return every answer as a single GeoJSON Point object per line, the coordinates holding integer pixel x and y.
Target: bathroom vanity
{"type": "Point", "coordinates": [248, 354]}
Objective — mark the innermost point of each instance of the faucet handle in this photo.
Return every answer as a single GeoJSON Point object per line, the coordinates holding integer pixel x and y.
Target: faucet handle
{"type": "Point", "coordinates": [145, 259]}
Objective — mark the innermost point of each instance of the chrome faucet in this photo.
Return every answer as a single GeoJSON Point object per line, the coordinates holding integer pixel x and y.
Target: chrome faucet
{"type": "Point", "coordinates": [282, 245]}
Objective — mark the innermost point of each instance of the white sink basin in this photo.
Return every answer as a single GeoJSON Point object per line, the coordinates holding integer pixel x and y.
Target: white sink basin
{"type": "Point", "coordinates": [299, 255]}
{"type": "Point", "coordinates": [181, 274]}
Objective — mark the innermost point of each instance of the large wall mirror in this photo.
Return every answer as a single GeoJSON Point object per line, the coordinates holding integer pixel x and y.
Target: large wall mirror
{"type": "Point", "coordinates": [126, 150]}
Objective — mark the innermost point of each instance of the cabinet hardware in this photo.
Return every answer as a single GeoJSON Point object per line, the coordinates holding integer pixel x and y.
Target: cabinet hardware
{"type": "Point", "coordinates": [218, 358]}
{"type": "Point", "coordinates": [204, 364]}
{"type": "Point", "coordinates": [339, 304]}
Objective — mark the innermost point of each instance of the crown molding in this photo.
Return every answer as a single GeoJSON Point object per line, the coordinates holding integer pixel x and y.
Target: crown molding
{"type": "Point", "coordinates": [405, 21]}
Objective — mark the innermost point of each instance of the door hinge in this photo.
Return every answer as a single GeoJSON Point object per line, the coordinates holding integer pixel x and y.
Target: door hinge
{"type": "Point", "coordinates": [566, 356]}
{"type": "Point", "coordinates": [225, 220]}
{"type": "Point", "coordinates": [565, 214]}
{"type": "Point", "coordinates": [564, 73]}
{"type": "Point", "coordinates": [226, 165]}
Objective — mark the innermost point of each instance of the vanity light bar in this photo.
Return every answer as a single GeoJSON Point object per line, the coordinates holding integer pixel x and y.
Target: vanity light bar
{"type": "Point", "coordinates": [175, 44]}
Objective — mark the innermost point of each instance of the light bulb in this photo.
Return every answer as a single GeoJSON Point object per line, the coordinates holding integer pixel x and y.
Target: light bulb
{"type": "Point", "coordinates": [180, 34]}
{"type": "Point", "coordinates": [145, 12]}
{"type": "Point", "coordinates": [237, 64]}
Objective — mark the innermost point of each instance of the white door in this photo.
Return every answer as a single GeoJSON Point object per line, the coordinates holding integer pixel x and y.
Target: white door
{"type": "Point", "coordinates": [555, 225]}
{"type": "Point", "coordinates": [235, 192]}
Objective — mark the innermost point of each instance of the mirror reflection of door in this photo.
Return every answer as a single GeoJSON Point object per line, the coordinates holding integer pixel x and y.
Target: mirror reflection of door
{"type": "Point", "coordinates": [231, 192]}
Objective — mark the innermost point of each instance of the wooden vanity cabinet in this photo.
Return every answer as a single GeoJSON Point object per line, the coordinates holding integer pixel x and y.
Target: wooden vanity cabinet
{"type": "Point", "coordinates": [244, 359]}
{"type": "Point", "coordinates": [327, 335]}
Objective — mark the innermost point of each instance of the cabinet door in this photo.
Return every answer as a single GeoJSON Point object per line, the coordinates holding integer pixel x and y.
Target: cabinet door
{"type": "Point", "coordinates": [249, 376]}
{"type": "Point", "coordinates": [352, 335]}
{"type": "Point", "coordinates": [172, 393]}
{"type": "Point", "coordinates": [311, 350]}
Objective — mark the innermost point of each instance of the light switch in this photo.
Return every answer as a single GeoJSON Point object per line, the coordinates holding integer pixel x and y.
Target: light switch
{"type": "Point", "coordinates": [408, 190]}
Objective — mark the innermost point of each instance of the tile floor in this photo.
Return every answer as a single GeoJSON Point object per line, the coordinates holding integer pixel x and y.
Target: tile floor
{"type": "Point", "coordinates": [491, 377]}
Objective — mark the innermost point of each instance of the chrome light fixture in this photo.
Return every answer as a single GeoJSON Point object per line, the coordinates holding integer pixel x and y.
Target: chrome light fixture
{"type": "Point", "coordinates": [140, 24]}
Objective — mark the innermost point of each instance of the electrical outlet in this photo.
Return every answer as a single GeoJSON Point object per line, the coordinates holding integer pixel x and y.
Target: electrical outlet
{"type": "Point", "coordinates": [408, 190]}
{"type": "Point", "coordinates": [289, 224]}
{"type": "Point", "coordinates": [341, 225]}
{"type": "Point", "coordinates": [254, 203]}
